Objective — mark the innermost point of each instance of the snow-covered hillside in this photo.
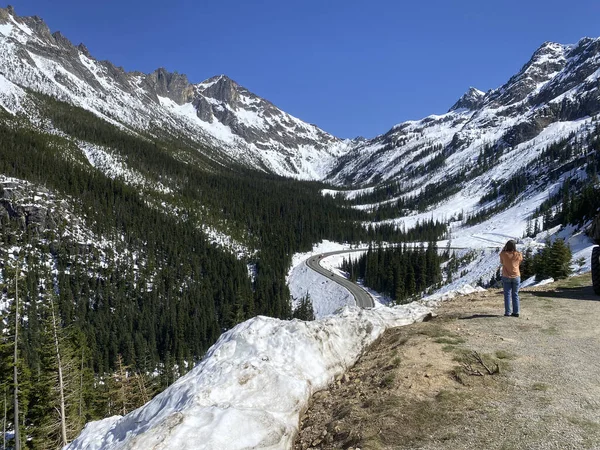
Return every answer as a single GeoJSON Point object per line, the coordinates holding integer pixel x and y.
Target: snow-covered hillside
{"type": "Point", "coordinates": [483, 168]}
{"type": "Point", "coordinates": [235, 125]}
{"type": "Point", "coordinates": [554, 95]}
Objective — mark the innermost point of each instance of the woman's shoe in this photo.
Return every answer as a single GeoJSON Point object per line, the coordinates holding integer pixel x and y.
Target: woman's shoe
{"type": "Point", "coordinates": [507, 314]}
{"type": "Point", "coordinates": [515, 314]}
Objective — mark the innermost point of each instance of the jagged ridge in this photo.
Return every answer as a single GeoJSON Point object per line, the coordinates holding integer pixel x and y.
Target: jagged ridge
{"type": "Point", "coordinates": [218, 112]}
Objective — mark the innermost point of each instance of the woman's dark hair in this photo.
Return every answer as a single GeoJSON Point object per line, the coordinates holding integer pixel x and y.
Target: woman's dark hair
{"type": "Point", "coordinates": [511, 246]}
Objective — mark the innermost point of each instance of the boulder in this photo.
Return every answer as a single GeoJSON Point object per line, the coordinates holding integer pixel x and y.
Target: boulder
{"type": "Point", "coordinates": [36, 216]}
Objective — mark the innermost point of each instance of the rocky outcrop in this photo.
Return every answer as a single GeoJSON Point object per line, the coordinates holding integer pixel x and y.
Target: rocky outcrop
{"type": "Point", "coordinates": [17, 204]}
{"type": "Point", "coordinates": [545, 63]}
{"type": "Point", "coordinates": [171, 85]}
{"type": "Point", "coordinates": [471, 100]}
{"type": "Point", "coordinates": [222, 88]}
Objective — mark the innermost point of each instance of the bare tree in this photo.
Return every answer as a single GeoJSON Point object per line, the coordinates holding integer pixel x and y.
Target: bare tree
{"type": "Point", "coordinates": [81, 385]}
{"type": "Point", "coordinates": [143, 392]}
{"type": "Point", "coordinates": [128, 389]}
{"type": "Point", "coordinates": [15, 362]}
{"type": "Point", "coordinates": [4, 423]}
{"type": "Point", "coordinates": [61, 387]}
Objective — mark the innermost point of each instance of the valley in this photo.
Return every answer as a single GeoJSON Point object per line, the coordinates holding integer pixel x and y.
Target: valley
{"type": "Point", "coordinates": [165, 223]}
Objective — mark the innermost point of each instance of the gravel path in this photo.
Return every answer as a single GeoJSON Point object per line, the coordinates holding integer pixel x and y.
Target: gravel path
{"type": "Point", "coordinates": [420, 386]}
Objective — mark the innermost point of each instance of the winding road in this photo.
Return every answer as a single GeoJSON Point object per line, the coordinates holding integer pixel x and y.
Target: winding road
{"type": "Point", "coordinates": [362, 297]}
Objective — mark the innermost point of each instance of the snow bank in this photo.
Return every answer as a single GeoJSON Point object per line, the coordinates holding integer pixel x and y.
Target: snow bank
{"type": "Point", "coordinates": [252, 386]}
{"type": "Point", "coordinates": [434, 300]}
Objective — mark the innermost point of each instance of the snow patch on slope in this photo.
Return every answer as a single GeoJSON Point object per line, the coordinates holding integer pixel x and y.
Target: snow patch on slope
{"type": "Point", "coordinates": [327, 296]}
{"type": "Point", "coordinates": [188, 112]}
{"type": "Point", "coordinates": [114, 166]}
{"type": "Point", "coordinates": [11, 96]}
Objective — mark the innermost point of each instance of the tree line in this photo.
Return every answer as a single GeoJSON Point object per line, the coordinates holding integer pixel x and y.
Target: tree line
{"type": "Point", "coordinates": [400, 272]}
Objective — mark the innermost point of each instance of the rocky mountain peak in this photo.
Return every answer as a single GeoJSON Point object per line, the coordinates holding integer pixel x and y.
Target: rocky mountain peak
{"type": "Point", "coordinates": [61, 39]}
{"type": "Point", "coordinates": [5, 12]}
{"type": "Point", "coordinates": [172, 85]}
{"type": "Point", "coordinates": [34, 23]}
{"type": "Point", "coordinates": [546, 60]}
{"type": "Point", "coordinates": [83, 49]}
{"type": "Point", "coordinates": [471, 100]}
{"type": "Point", "coordinates": [221, 88]}
{"type": "Point", "coordinates": [545, 63]}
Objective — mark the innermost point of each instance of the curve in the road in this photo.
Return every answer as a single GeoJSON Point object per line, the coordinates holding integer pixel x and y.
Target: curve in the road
{"type": "Point", "coordinates": [363, 298]}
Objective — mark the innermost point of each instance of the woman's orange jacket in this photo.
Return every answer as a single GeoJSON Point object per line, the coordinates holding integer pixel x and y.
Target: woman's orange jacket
{"type": "Point", "coordinates": [510, 263]}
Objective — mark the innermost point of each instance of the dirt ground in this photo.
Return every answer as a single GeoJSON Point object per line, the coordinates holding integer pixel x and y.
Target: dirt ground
{"type": "Point", "coordinates": [473, 379]}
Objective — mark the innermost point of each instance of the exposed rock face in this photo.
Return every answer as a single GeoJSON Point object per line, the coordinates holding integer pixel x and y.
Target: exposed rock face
{"type": "Point", "coordinates": [471, 100]}
{"type": "Point", "coordinates": [545, 63]}
{"type": "Point", "coordinates": [27, 207]}
{"type": "Point", "coordinates": [170, 85]}
{"type": "Point", "coordinates": [222, 88]}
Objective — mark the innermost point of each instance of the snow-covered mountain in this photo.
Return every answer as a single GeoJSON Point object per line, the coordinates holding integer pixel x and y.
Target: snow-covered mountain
{"type": "Point", "coordinates": [471, 100]}
{"type": "Point", "coordinates": [550, 97]}
{"type": "Point", "coordinates": [235, 124]}
{"type": "Point", "coordinates": [555, 94]}
{"type": "Point", "coordinates": [482, 168]}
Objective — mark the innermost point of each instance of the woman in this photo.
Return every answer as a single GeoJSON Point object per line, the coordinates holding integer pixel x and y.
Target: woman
{"type": "Point", "coordinates": [511, 277]}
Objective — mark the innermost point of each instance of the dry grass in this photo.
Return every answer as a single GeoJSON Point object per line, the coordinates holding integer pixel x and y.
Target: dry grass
{"type": "Point", "coordinates": [454, 382]}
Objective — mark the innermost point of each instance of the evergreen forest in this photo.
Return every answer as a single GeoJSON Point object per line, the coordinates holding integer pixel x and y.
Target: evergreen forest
{"type": "Point", "coordinates": [126, 314]}
{"type": "Point", "coordinates": [401, 272]}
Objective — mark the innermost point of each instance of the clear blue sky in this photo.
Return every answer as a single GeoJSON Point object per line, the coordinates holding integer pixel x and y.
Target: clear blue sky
{"type": "Point", "coordinates": [351, 67]}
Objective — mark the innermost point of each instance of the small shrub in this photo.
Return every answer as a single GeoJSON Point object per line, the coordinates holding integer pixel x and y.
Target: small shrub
{"type": "Point", "coordinates": [450, 340]}
{"type": "Point", "coordinates": [388, 380]}
{"type": "Point", "coordinates": [503, 354]}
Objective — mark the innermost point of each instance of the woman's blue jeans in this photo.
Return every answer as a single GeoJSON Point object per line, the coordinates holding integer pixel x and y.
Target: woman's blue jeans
{"type": "Point", "coordinates": [511, 292]}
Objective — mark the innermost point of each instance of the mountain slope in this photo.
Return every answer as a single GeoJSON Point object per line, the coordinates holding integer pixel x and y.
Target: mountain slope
{"type": "Point", "coordinates": [490, 151]}
{"type": "Point", "coordinates": [149, 170]}
{"type": "Point", "coordinates": [557, 86]}
{"type": "Point", "coordinates": [236, 124]}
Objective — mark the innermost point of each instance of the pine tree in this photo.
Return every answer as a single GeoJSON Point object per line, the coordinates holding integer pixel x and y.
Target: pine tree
{"type": "Point", "coordinates": [527, 269]}
{"type": "Point", "coordinates": [410, 283]}
{"type": "Point", "coordinates": [304, 310]}
{"type": "Point", "coordinates": [529, 229]}
{"type": "Point", "coordinates": [560, 260]}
